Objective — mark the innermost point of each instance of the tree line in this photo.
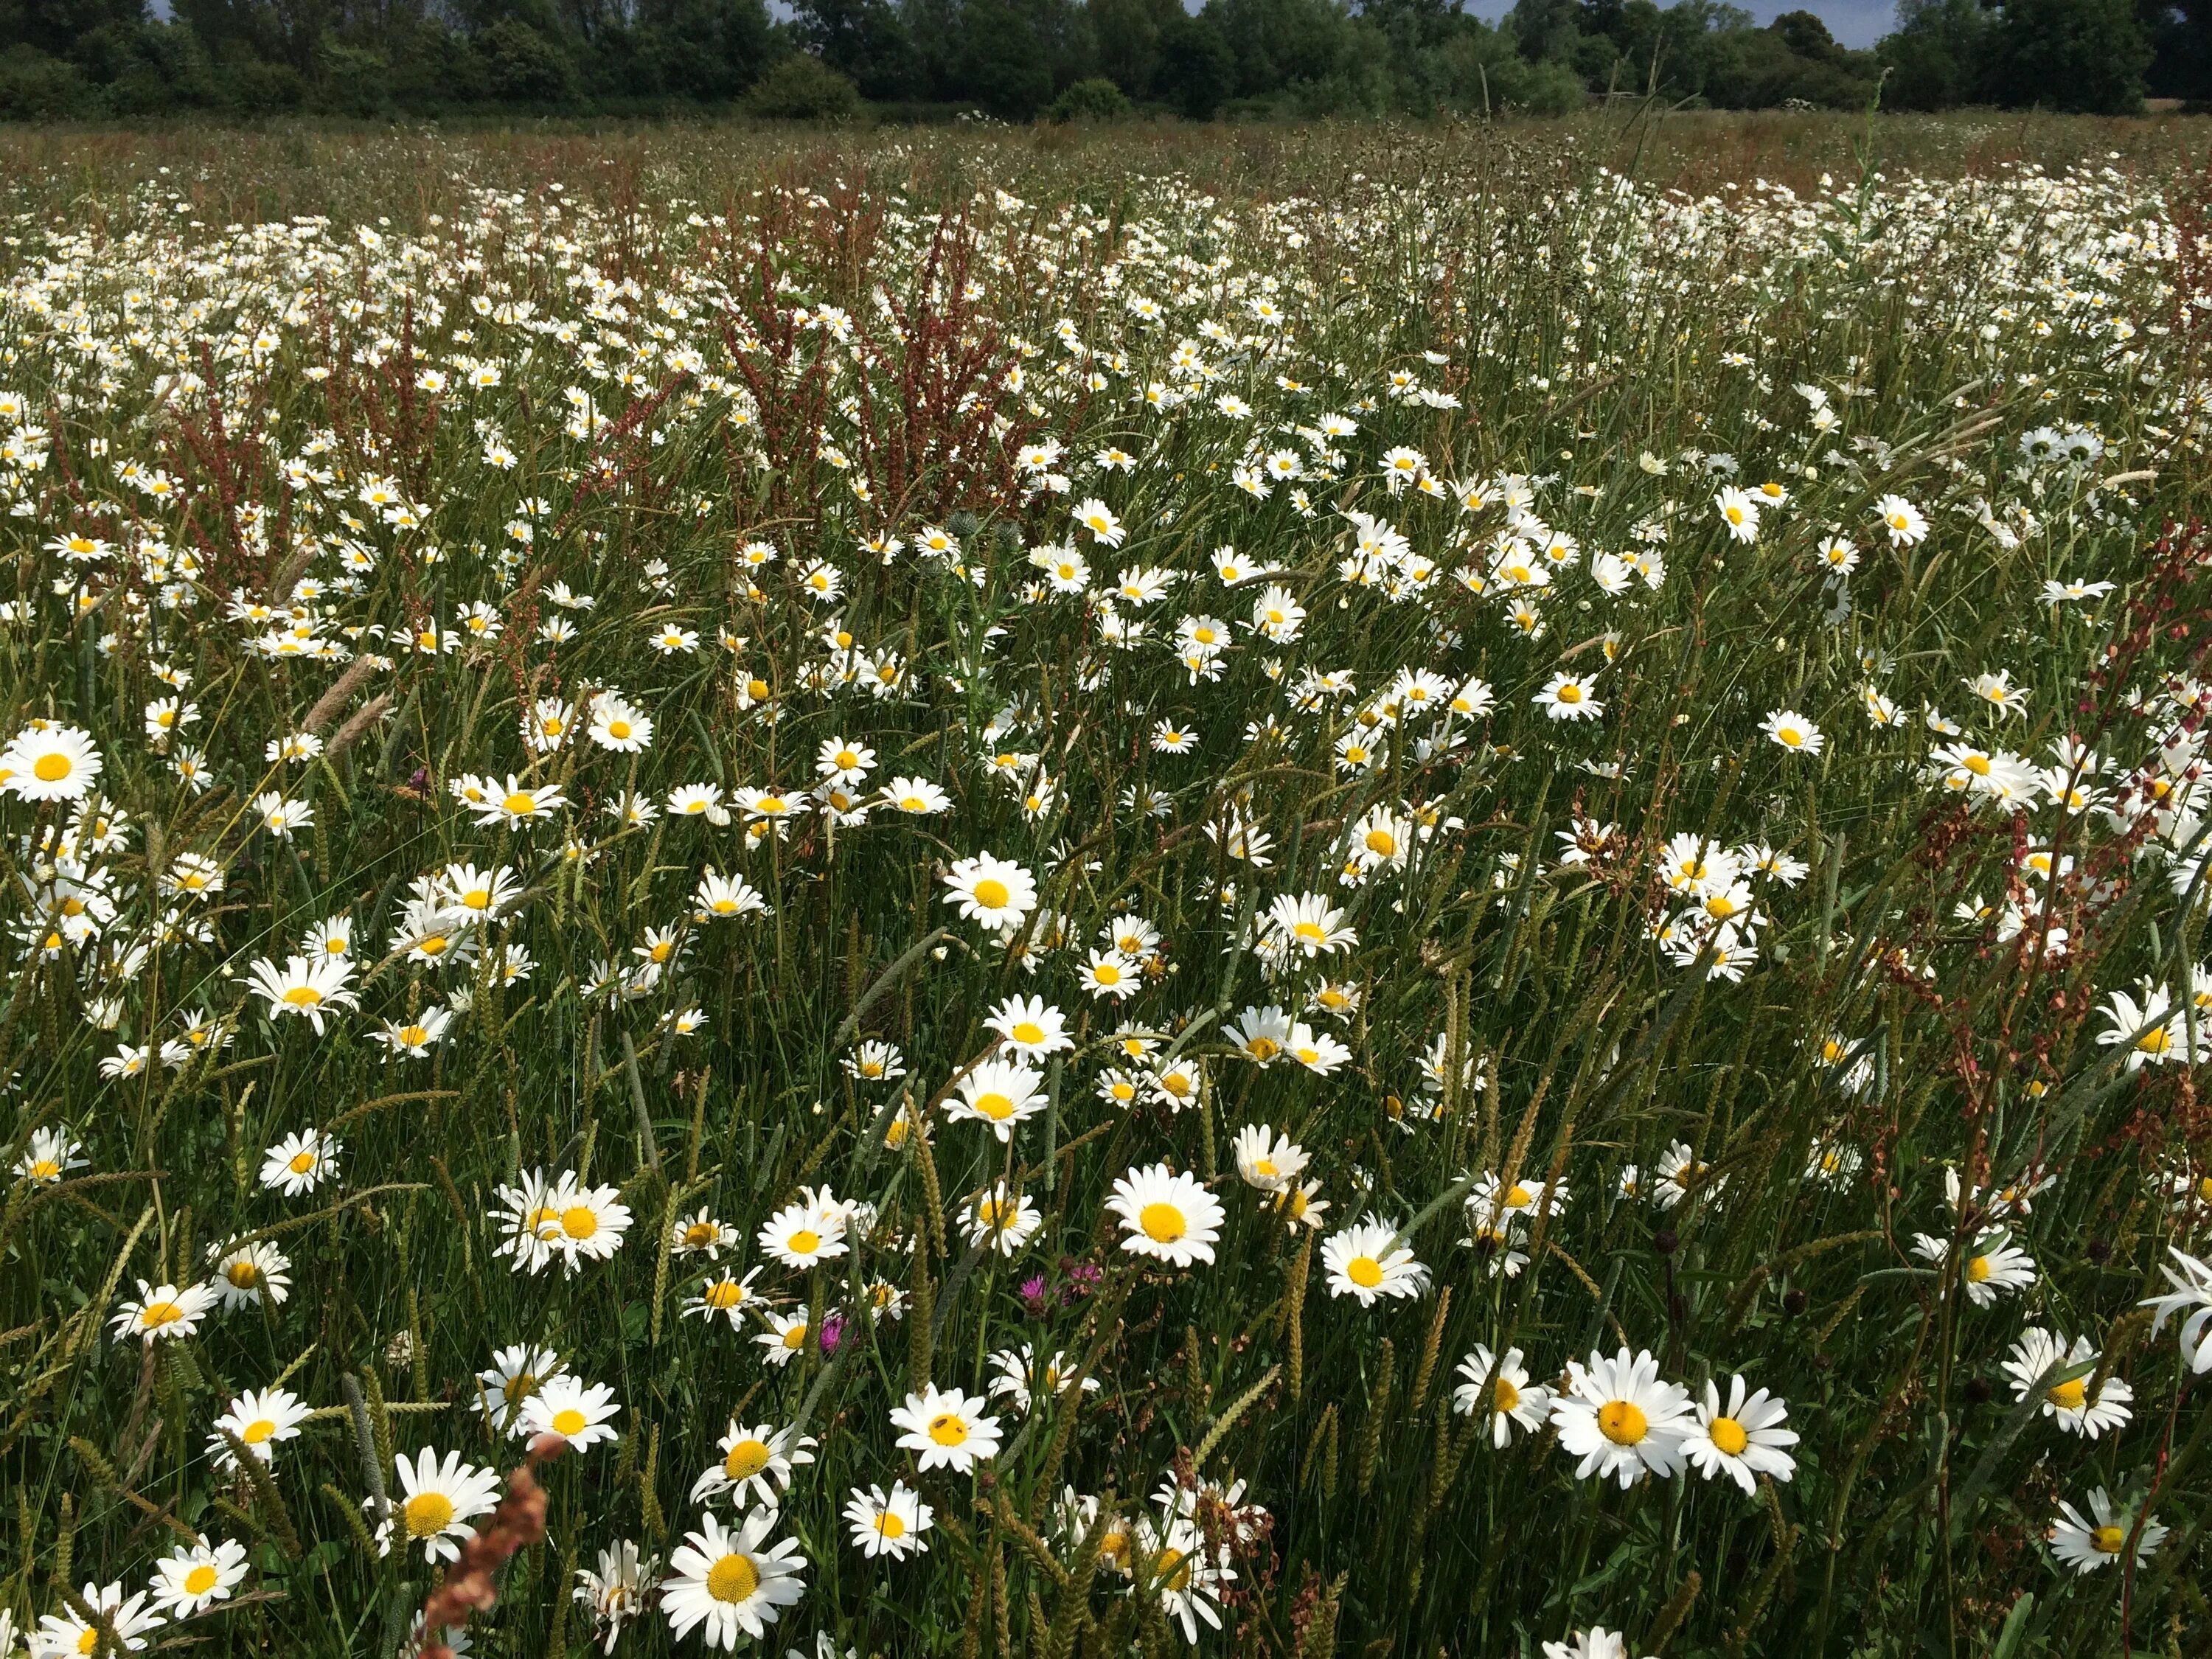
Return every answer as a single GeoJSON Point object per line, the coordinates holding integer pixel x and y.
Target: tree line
{"type": "Point", "coordinates": [1098, 59]}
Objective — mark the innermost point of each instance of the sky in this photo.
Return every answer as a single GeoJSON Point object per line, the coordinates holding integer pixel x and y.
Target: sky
{"type": "Point", "coordinates": [1854, 22]}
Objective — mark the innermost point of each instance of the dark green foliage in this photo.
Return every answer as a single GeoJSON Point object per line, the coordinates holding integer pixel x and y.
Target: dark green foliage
{"type": "Point", "coordinates": [522, 66]}
{"type": "Point", "coordinates": [1197, 69]}
{"type": "Point", "coordinates": [803, 88]}
{"type": "Point", "coordinates": [1096, 98]}
{"type": "Point", "coordinates": [866, 40]}
{"type": "Point", "coordinates": [1019, 60]}
{"type": "Point", "coordinates": [2082, 55]}
{"type": "Point", "coordinates": [1938, 53]}
{"type": "Point", "coordinates": [36, 87]}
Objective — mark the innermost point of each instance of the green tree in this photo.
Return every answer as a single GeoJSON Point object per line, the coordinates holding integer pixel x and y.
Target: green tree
{"type": "Point", "coordinates": [1545, 30]}
{"type": "Point", "coordinates": [803, 87]}
{"type": "Point", "coordinates": [1126, 40]}
{"type": "Point", "coordinates": [866, 40]}
{"type": "Point", "coordinates": [1197, 72]}
{"type": "Point", "coordinates": [521, 66]}
{"type": "Point", "coordinates": [1275, 45]}
{"type": "Point", "coordinates": [1806, 35]}
{"type": "Point", "coordinates": [2082, 55]}
{"type": "Point", "coordinates": [1939, 55]}
{"type": "Point", "coordinates": [55, 27]}
{"type": "Point", "coordinates": [707, 50]}
{"type": "Point", "coordinates": [1093, 98]}
{"type": "Point", "coordinates": [1009, 50]}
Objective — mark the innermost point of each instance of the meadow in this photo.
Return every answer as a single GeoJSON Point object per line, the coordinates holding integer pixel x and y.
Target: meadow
{"type": "Point", "coordinates": [1391, 892]}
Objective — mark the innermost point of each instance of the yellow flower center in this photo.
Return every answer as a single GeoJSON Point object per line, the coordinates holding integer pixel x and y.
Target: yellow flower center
{"type": "Point", "coordinates": [1364, 1271]}
{"type": "Point", "coordinates": [155, 1316]}
{"type": "Point", "coordinates": [1504, 1396]}
{"type": "Point", "coordinates": [1978, 1270]}
{"type": "Point", "coordinates": [746, 1459]}
{"type": "Point", "coordinates": [1172, 1570]}
{"type": "Point", "coordinates": [996, 1107]}
{"type": "Point", "coordinates": [2107, 1540]}
{"type": "Point", "coordinates": [1622, 1422]}
{"type": "Point", "coordinates": [1263, 1049]}
{"type": "Point", "coordinates": [794, 1338]}
{"type": "Point", "coordinates": [2155, 1042]}
{"type": "Point", "coordinates": [804, 1241]}
{"type": "Point", "coordinates": [1729, 1434]}
{"type": "Point", "coordinates": [1571, 693]}
{"type": "Point", "coordinates": [303, 996]}
{"type": "Point", "coordinates": [428, 1514]}
{"type": "Point", "coordinates": [52, 768]}
{"type": "Point", "coordinates": [1382, 843]}
{"type": "Point", "coordinates": [991, 893]}
{"type": "Point", "coordinates": [243, 1274]}
{"type": "Point", "coordinates": [45, 1168]}
{"type": "Point", "coordinates": [1164, 1223]}
{"type": "Point", "coordinates": [521, 803]}
{"type": "Point", "coordinates": [258, 1431]}
{"type": "Point", "coordinates": [2069, 1396]}
{"type": "Point", "coordinates": [700, 1234]}
{"type": "Point", "coordinates": [888, 1526]}
{"type": "Point", "coordinates": [580, 1221]}
{"type": "Point", "coordinates": [732, 1579]}
{"type": "Point", "coordinates": [723, 1293]}
{"type": "Point", "coordinates": [948, 1429]}
{"type": "Point", "coordinates": [569, 1423]}
{"type": "Point", "coordinates": [201, 1579]}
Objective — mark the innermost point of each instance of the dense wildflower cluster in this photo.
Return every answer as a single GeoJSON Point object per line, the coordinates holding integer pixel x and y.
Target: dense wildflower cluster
{"type": "Point", "coordinates": [1046, 924]}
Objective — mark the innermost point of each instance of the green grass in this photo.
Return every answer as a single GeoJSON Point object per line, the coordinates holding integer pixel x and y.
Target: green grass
{"type": "Point", "coordinates": [1507, 1010]}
